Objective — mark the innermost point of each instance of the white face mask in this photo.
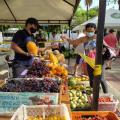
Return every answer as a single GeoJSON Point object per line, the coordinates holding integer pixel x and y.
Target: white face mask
{"type": "Point", "coordinates": [90, 34]}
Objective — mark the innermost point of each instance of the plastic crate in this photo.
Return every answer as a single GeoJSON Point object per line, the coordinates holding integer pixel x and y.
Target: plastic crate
{"type": "Point", "coordinates": [24, 112]}
{"type": "Point", "coordinates": [81, 115]}
{"type": "Point", "coordinates": [108, 106]}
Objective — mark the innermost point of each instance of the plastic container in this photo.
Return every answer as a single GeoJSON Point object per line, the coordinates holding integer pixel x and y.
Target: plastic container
{"type": "Point", "coordinates": [80, 115]}
{"type": "Point", "coordinates": [108, 106]}
{"type": "Point", "coordinates": [24, 112]}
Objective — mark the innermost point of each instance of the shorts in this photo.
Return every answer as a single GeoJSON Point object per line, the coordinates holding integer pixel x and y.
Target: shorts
{"type": "Point", "coordinates": [79, 60]}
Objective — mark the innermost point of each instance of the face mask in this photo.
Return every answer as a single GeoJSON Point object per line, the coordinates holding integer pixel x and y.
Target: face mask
{"type": "Point", "coordinates": [90, 34]}
{"type": "Point", "coordinates": [32, 30]}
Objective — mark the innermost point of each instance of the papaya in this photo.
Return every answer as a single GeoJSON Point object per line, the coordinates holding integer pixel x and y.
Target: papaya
{"type": "Point", "coordinates": [32, 48]}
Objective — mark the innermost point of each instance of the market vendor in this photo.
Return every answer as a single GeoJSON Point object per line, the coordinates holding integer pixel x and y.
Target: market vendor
{"type": "Point", "coordinates": [23, 59]}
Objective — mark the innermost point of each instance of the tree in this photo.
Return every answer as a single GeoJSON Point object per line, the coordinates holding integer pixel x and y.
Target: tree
{"type": "Point", "coordinates": [88, 3]}
{"type": "Point", "coordinates": [80, 15]}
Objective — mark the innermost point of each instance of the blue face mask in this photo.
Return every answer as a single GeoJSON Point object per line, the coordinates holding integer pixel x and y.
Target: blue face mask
{"type": "Point", "coordinates": [90, 34]}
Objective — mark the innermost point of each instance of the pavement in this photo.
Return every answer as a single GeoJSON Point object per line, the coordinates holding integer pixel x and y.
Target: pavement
{"type": "Point", "coordinates": [113, 78]}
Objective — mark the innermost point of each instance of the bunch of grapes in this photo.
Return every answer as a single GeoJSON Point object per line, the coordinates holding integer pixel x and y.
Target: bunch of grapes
{"type": "Point", "coordinates": [32, 85]}
{"type": "Point", "coordinates": [49, 85]}
{"type": "Point", "coordinates": [12, 86]}
{"type": "Point", "coordinates": [38, 69]}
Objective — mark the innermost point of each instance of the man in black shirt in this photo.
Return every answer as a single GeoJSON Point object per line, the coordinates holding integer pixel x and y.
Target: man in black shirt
{"type": "Point", "coordinates": [23, 59]}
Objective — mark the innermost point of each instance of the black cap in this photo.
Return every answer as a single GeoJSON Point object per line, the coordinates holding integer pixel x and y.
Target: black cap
{"type": "Point", "coordinates": [32, 21]}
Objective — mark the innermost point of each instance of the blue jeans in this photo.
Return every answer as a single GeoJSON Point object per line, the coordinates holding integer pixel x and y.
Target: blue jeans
{"type": "Point", "coordinates": [19, 66]}
{"type": "Point", "coordinates": [91, 78]}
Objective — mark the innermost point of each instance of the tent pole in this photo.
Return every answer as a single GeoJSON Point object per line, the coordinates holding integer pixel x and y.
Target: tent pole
{"type": "Point", "coordinates": [69, 46]}
{"type": "Point", "coordinates": [68, 3]}
{"type": "Point", "coordinates": [97, 78]}
{"type": "Point", "coordinates": [10, 10]}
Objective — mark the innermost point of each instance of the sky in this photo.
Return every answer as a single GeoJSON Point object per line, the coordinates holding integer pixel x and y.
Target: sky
{"type": "Point", "coordinates": [96, 3]}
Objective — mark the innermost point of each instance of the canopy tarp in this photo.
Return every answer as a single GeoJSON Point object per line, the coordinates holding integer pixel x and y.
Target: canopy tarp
{"type": "Point", "coordinates": [112, 19]}
{"type": "Point", "coordinates": [46, 11]}
{"type": "Point", "coordinates": [78, 28]}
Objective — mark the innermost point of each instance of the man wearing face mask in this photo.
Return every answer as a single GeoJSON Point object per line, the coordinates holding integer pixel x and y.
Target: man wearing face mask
{"type": "Point", "coordinates": [23, 59]}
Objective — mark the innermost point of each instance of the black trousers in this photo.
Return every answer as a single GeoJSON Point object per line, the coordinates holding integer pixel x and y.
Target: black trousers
{"type": "Point", "coordinates": [91, 78]}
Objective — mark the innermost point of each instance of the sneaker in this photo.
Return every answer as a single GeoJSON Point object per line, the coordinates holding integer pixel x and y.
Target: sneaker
{"type": "Point", "coordinates": [108, 68]}
{"type": "Point", "coordinates": [113, 58]}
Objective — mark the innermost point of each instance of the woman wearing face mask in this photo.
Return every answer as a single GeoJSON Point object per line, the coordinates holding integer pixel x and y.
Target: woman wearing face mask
{"type": "Point", "coordinates": [23, 59]}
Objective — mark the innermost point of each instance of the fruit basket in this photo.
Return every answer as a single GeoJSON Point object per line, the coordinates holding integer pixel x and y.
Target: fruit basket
{"type": "Point", "coordinates": [107, 102]}
{"type": "Point", "coordinates": [42, 112]}
{"type": "Point", "coordinates": [79, 97]}
{"type": "Point", "coordinates": [94, 115]}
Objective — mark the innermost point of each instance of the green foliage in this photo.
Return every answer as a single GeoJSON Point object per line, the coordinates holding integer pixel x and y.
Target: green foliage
{"type": "Point", "coordinates": [68, 53]}
{"type": "Point", "coordinates": [81, 15]}
{"type": "Point", "coordinates": [4, 27]}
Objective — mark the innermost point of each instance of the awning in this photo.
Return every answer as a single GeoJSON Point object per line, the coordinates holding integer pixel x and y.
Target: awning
{"type": "Point", "coordinates": [46, 11]}
{"type": "Point", "coordinates": [78, 28]}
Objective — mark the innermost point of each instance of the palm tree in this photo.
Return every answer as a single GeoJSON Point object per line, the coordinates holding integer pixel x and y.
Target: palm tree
{"type": "Point", "coordinates": [88, 3]}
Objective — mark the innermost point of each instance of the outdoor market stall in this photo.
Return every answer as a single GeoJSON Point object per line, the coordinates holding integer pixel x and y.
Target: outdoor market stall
{"type": "Point", "coordinates": [47, 12]}
{"type": "Point", "coordinates": [55, 12]}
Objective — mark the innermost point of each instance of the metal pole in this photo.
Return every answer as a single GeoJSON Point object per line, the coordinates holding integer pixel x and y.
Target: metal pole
{"type": "Point", "coordinates": [119, 4]}
{"type": "Point", "coordinates": [97, 78]}
{"type": "Point", "coordinates": [69, 47]}
{"type": "Point", "coordinates": [87, 12]}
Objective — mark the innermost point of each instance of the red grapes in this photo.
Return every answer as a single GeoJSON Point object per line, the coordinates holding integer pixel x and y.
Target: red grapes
{"type": "Point", "coordinates": [32, 85]}
{"type": "Point", "coordinates": [38, 69]}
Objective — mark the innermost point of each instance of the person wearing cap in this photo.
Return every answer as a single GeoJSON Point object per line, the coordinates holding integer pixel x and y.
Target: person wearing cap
{"type": "Point", "coordinates": [23, 59]}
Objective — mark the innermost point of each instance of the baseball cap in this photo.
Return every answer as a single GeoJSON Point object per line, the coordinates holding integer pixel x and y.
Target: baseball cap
{"type": "Point", "coordinates": [32, 21]}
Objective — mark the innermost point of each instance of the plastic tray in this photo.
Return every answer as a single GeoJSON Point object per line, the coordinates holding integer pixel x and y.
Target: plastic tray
{"type": "Point", "coordinates": [24, 112]}
{"type": "Point", "coordinates": [80, 115]}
